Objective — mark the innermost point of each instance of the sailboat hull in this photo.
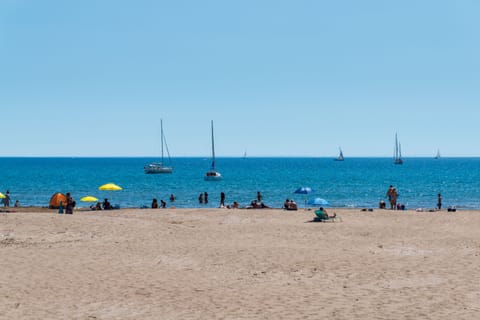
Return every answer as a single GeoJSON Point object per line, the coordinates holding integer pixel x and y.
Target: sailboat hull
{"type": "Point", "coordinates": [157, 168]}
{"type": "Point", "coordinates": [212, 176]}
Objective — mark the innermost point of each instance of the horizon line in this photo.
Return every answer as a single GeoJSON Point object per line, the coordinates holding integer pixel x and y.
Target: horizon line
{"type": "Point", "coordinates": [240, 157]}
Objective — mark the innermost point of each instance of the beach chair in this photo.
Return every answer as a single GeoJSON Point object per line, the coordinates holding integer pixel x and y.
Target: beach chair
{"type": "Point", "coordinates": [322, 216]}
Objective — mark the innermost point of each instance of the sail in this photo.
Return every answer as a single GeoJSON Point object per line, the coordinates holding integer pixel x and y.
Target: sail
{"type": "Point", "coordinates": [340, 155]}
{"type": "Point", "coordinates": [213, 150]}
{"type": "Point", "coordinates": [212, 174]}
{"type": "Point", "coordinates": [397, 154]}
{"type": "Point", "coordinates": [160, 167]}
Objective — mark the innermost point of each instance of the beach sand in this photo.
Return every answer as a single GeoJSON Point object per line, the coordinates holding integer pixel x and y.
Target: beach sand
{"type": "Point", "coordinates": [239, 264]}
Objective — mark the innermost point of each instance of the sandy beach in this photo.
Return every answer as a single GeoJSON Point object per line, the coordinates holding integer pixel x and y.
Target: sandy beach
{"type": "Point", "coordinates": [239, 264]}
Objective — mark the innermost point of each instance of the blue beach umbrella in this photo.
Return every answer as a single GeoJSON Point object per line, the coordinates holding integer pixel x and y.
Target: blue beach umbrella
{"type": "Point", "coordinates": [319, 202]}
{"type": "Point", "coordinates": [304, 190]}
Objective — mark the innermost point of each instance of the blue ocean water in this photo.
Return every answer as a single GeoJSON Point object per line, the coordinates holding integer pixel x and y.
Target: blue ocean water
{"type": "Point", "coordinates": [355, 182]}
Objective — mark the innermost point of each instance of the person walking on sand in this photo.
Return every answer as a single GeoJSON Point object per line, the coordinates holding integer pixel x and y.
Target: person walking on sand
{"type": "Point", "coordinates": [439, 202]}
{"type": "Point", "coordinates": [222, 199]}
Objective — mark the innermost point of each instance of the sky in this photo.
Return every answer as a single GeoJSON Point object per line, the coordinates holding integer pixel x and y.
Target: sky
{"type": "Point", "coordinates": [278, 78]}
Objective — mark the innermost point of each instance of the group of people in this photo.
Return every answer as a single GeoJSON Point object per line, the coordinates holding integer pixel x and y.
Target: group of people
{"type": "Point", "coordinates": [6, 200]}
{"type": "Point", "coordinates": [203, 198]}
{"type": "Point", "coordinates": [290, 204]}
{"type": "Point", "coordinates": [392, 196]}
{"type": "Point", "coordinates": [69, 205]}
{"type": "Point", "coordinates": [155, 204]}
{"type": "Point", "coordinates": [105, 205]}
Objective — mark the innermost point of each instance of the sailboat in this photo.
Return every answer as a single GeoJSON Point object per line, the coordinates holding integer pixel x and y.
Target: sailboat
{"type": "Point", "coordinates": [213, 174]}
{"type": "Point", "coordinates": [437, 156]}
{"type": "Point", "coordinates": [397, 156]}
{"type": "Point", "coordinates": [340, 156]}
{"type": "Point", "coordinates": [160, 167]}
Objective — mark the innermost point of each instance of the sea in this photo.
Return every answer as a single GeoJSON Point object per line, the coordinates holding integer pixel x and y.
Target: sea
{"type": "Point", "coordinates": [353, 183]}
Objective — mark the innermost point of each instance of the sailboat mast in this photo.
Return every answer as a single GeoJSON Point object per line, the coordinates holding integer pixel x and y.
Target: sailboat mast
{"type": "Point", "coordinates": [161, 136]}
{"type": "Point", "coordinates": [396, 147]}
{"type": "Point", "coordinates": [213, 149]}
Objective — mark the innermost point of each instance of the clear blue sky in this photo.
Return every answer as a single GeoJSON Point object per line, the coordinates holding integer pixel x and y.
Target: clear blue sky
{"type": "Point", "coordinates": [279, 78]}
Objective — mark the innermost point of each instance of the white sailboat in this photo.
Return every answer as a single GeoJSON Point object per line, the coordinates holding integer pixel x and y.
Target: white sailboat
{"type": "Point", "coordinates": [160, 167]}
{"type": "Point", "coordinates": [437, 156]}
{"type": "Point", "coordinates": [340, 156]}
{"type": "Point", "coordinates": [397, 155]}
{"type": "Point", "coordinates": [213, 174]}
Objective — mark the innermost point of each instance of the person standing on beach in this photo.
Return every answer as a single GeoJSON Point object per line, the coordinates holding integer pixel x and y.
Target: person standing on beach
{"type": "Point", "coordinates": [200, 198]}
{"type": "Point", "coordinates": [6, 200]}
{"type": "Point", "coordinates": [205, 197]}
{"type": "Point", "coordinates": [439, 202]}
{"type": "Point", "coordinates": [389, 196]}
{"type": "Point", "coordinates": [222, 199]}
{"type": "Point", "coordinates": [259, 196]}
{"type": "Point", "coordinates": [70, 204]}
{"type": "Point", "coordinates": [393, 199]}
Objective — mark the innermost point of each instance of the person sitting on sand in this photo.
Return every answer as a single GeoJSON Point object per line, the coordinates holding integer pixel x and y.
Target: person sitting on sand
{"type": "Point", "coordinates": [106, 205]}
{"type": "Point", "coordinates": [154, 204]}
{"type": "Point", "coordinates": [286, 204]}
{"type": "Point", "coordinates": [163, 204]}
{"type": "Point", "coordinates": [322, 214]}
{"type": "Point", "coordinates": [292, 205]}
{"type": "Point", "coordinates": [98, 206]}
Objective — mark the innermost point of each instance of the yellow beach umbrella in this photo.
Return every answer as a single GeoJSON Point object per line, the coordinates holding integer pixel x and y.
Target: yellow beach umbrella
{"type": "Point", "coordinates": [110, 187]}
{"type": "Point", "coordinates": [88, 199]}
{"type": "Point", "coordinates": [2, 196]}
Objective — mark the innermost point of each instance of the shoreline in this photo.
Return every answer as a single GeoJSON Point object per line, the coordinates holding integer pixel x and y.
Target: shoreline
{"type": "Point", "coordinates": [309, 209]}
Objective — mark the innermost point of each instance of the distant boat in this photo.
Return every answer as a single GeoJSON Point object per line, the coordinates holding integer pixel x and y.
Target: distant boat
{"type": "Point", "coordinates": [340, 156]}
{"type": "Point", "coordinates": [213, 174]}
{"type": "Point", "coordinates": [397, 155]}
{"type": "Point", "coordinates": [437, 156]}
{"type": "Point", "coordinates": [160, 167]}
{"type": "Point", "coordinates": [245, 155]}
